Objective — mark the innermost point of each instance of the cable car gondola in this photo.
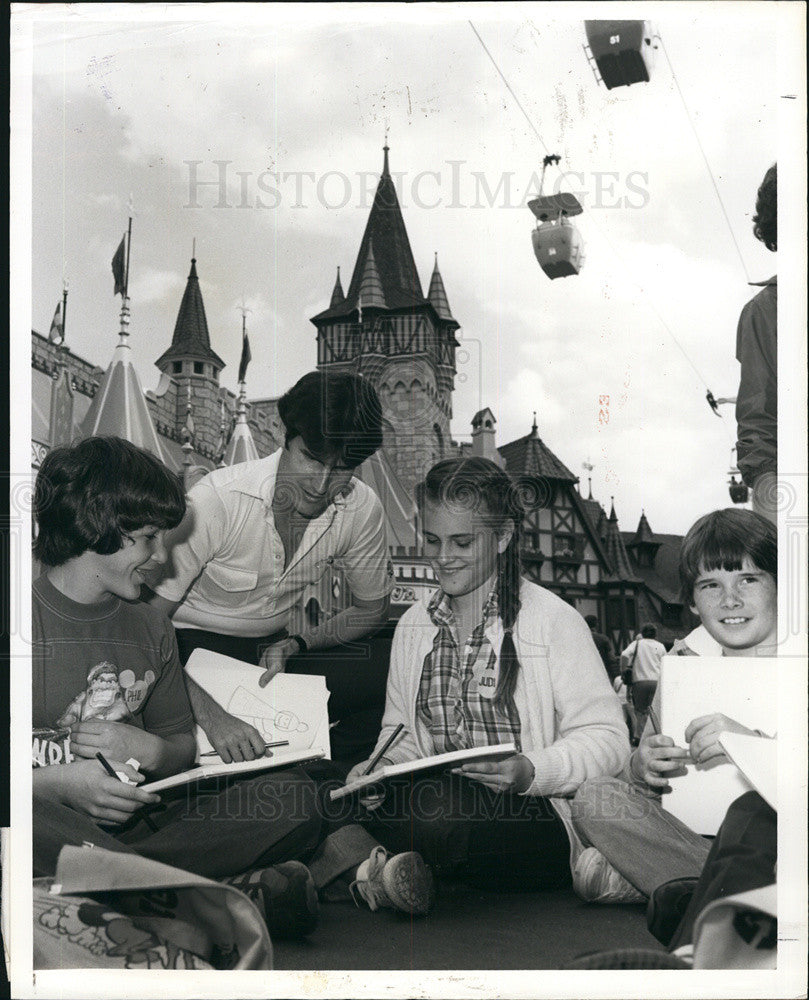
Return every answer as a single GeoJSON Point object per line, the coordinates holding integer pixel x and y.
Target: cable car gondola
{"type": "Point", "coordinates": [622, 51]}
{"type": "Point", "coordinates": [558, 245]}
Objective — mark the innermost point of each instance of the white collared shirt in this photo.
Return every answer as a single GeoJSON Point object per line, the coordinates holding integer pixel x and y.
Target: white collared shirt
{"type": "Point", "coordinates": [226, 559]}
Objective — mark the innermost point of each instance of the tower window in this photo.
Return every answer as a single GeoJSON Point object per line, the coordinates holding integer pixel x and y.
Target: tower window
{"type": "Point", "coordinates": [177, 367]}
{"type": "Point", "coordinates": [199, 368]}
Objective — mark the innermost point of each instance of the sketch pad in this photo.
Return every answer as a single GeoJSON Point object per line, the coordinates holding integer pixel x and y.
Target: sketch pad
{"type": "Point", "coordinates": [757, 760]}
{"type": "Point", "coordinates": [743, 689]}
{"type": "Point", "coordinates": [292, 707]}
{"type": "Point", "coordinates": [440, 760]}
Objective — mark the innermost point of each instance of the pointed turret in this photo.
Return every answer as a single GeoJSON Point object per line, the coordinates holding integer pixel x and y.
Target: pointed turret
{"type": "Point", "coordinates": [643, 547]}
{"type": "Point", "coordinates": [437, 294]}
{"type": "Point", "coordinates": [119, 407]}
{"type": "Point", "coordinates": [337, 296]}
{"type": "Point", "coordinates": [190, 341]}
{"type": "Point", "coordinates": [616, 551]}
{"type": "Point", "coordinates": [241, 447]}
{"type": "Point", "coordinates": [398, 277]}
{"type": "Point", "coordinates": [370, 293]}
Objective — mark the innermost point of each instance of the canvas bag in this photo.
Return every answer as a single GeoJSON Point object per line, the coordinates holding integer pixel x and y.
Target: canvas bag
{"type": "Point", "coordinates": [110, 909]}
{"type": "Point", "coordinates": [738, 932]}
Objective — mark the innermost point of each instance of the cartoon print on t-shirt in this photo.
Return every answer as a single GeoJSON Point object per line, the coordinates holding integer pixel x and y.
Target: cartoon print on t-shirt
{"type": "Point", "coordinates": [108, 695]}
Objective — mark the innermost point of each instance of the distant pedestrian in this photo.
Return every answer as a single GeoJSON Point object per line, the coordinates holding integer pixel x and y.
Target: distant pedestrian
{"type": "Point", "coordinates": [643, 656]}
{"type": "Point", "coordinates": [604, 646]}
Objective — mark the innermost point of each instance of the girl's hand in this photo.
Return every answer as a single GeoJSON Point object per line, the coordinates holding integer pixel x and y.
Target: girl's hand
{"type": "Point", "coordinates": [702, 736]}
{"type": "Point", "coordinates": [358, 770]}
{"type": "Point", "coordinates": [659, 759]}
{"type": "Point", "coordinates": [512, 774]}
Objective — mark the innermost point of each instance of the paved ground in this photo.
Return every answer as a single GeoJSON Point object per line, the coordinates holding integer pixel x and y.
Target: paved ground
{"type": "Point", "coordinates": [467, 930]}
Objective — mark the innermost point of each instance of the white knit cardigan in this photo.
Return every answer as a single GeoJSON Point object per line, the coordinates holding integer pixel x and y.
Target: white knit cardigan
{"type": "Point", "coordinates": [571, 724]}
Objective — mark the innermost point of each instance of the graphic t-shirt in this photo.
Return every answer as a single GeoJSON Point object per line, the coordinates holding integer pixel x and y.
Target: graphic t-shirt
{"type": "Point", "coordinates": [116, 660]}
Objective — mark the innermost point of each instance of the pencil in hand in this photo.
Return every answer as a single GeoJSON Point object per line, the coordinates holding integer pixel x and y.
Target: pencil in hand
{"type": "Point", "coordinates": [386, 746]}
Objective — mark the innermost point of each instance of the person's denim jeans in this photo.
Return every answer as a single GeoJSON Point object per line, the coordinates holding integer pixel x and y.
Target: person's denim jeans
{"type": "Point", "coordinates": [642, 841]}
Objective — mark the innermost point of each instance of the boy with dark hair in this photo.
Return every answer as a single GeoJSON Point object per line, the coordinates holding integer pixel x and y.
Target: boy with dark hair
{"type": "Point", "coordinates": [728, 566]}
{"type": "Point", "coordinates": [107, 680]}
{"type": "Point", "coordinates": [258, 533]}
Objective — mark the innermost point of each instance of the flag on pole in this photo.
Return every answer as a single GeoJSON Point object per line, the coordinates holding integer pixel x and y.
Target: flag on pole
{"type": "Point", "coordinates": [119, 267]}
{"type": "Point", "coordinates": [57, 331]}
{"type": "Point", "coordinates": [247, 357]}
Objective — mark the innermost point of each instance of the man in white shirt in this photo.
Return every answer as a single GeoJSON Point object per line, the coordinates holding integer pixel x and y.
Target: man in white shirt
{"type": "Point", "coordinates": [256, 534]}
{"type": "Point", "coordinates": [643, 656]}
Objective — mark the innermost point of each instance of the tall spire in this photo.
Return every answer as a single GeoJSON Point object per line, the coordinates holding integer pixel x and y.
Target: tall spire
{"type": "Point", "coordinates": [191, 340]}
{"type": "Point", "coordinates": [385, 230]}
{"type": "Point", "coordinates": [615, 549]}
{"type": "Point", "coordinates": [437, 294]}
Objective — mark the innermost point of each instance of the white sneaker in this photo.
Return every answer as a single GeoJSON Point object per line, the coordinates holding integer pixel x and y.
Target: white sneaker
{"type": "Point", "coordinates": [402, 882]}
{"type": "Point", "coordinates": [596, 881]}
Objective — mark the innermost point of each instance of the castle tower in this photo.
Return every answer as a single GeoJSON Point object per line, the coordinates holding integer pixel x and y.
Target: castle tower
{"type": "Point", "coordinates": [385, 328]}
{"type": "Point", "coordinates": [195, 367]}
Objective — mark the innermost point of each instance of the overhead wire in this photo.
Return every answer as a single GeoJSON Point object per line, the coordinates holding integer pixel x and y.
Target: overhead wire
{"type": "Point", "coordinates": [704, 158]}
{"type": "Point", "coordinates": [609, 242]}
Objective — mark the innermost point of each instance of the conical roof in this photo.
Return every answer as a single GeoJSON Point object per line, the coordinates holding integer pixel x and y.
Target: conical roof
{"type": "Point", "coordinates": [241, 447]}
{"type": "Point", "coordinates": [191, 339]}
{"type": "Point", "coordinates": [337, 296]}
{"type": "Point", "coordinates": [119, 407]}
{"type": "Point", "coordinates": [530, 456]}
{"type": "Point", "coordinates": [616, 552]}
{"type": "Point", "coordinates": [644, 534]}
{"type": "Point", "coordinates": [398, 276]}
{"type": "Point", "coordinates": [437, 294]}
{"type": "Point", "coordinates": [370, 293]}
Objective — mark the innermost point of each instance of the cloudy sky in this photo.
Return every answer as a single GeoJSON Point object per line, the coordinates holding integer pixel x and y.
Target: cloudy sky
{"type": "Point", "coordinates": [258, 131]}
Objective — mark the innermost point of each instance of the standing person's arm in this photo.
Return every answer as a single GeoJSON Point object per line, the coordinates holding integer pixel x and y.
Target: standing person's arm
{"type": "Point", "coordinates": [756, 401]}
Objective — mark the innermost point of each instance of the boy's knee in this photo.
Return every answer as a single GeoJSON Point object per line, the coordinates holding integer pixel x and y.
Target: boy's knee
{"type": "Point", "coordinates": [596, 800]}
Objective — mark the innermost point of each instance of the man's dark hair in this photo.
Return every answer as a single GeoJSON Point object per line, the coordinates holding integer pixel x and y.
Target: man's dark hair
{"type": "Point", "coordinates": [765, 221]}
{"type": "Point", "coordinates": [337, 414]}
{"type": "Point", "coordinates": [592, 621]}
{"type": "Point", "coordinates": [723, 539]}
{"type": "Point", "coordinates": [90, 495]}
{"type": "Point", "coordinates": [648, 631]}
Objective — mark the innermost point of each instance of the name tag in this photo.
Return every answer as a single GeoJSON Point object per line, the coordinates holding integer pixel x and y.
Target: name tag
{"type": "Point", "coordinates": [485, 673]}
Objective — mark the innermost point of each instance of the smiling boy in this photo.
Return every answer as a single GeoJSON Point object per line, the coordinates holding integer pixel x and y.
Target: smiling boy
{"type": "Point", "coordinates": [107, 680]}
{"type": "Point", "coordinates": [257, 534]}
{"type": "Point", "coordinates": [728, 575]}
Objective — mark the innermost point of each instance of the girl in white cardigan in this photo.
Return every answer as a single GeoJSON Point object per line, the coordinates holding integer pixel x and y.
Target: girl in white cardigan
{"type": "Point", "coordinates": [489, 659]}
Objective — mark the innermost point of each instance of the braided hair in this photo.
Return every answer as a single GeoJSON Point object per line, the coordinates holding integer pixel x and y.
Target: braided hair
{"type": "Point", "coordinates": [478, 484]}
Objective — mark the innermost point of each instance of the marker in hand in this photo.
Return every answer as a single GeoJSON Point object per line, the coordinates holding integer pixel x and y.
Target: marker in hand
{"type": "Point", "coordinates": [118, 777]}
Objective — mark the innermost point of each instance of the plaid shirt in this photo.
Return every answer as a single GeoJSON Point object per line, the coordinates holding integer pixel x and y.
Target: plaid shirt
{"type": "Point", "coordinates": [450, 701]}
